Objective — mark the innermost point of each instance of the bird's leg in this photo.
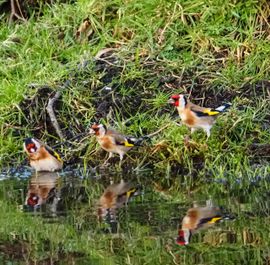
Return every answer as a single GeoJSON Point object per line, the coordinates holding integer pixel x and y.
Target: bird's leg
{"type": "Point", "coordinates": [209, 203]}
{"type": "Point", "coordinates": [110, 156]}
{"type": "Point", "coordinates": [207, 130]}
{"type": "Point", "coordinates": [111, 181]}
{"type": "Point", "coordinates": [121, 159]}
{"type": "Point", "coordinates": [193, 130]}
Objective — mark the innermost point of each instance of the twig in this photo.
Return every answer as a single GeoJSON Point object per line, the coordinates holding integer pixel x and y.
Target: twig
{"type": "Point", "coordinates": [21, 127]}
{"type": "Point", "coordinates": [158, 131]}
{"type": "Point", "coordinates": [109, 63]}
{"type": "Point", "coordinates": [52, 116]}
{"type": "Point", "coordinates": [72, 139]}
{"type": "Point", "coordinates": [15, 5]}
{"type": "Point", "coordinates": [103, 51]}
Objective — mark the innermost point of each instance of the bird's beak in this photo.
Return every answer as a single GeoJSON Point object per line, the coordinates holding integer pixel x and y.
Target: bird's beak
{"type": "Point", "coordinates": [180, 242]}
{"type": "Point", "coordinates": [171, 101]}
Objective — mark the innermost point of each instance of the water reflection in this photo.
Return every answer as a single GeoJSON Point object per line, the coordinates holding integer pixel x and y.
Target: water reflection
{"type": "Point", "coordinates": [53, 194]}
{"type": "Point", "coordinates": [150, 220]}
{"type": "Point", "coordinates": [198, 218]}
{"type": "Point", "coordinates": [114, 197]}
{"type": "Point", "coordinates": [42, 189]}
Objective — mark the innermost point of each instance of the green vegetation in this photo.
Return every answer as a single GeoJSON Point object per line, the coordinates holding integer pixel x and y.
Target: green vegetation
{"type": "Point", "coordinates": [216, 51]}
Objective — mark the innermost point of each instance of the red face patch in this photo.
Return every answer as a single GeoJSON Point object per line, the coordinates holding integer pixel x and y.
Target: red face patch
{"type": "Point", "coordinates": [175, 100]}
{"type": "Point", "coordinates": [180, 240]}
{"type": "Point", "coordinates": [32, 200]}
{"type": "Point", "coordinates": [95, 128]}
{"type": "Point", "coordinates": [31, 146]}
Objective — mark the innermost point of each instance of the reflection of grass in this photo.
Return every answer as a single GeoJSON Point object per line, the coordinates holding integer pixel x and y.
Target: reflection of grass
{"type": "Point", "coordinates": [218, 49]}
{"type": "Point", "coordinates": [146, 234]}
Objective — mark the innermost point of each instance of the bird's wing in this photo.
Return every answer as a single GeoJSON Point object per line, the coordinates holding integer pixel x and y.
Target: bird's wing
{"type": "Point", "coordinates": [130, 192]}
{"type": "Point", "coordinates": [203, 112]}
{"type": "Point", "coordinates": [127, 195]}
{"type": "Point", "coordinates": [53, 153]}
{"type": "Point", "coordinates": [209, 215]}
{"type": "Point", "coordinates": [120, 139]}
{"type": "Point", "coordinates": [210, 220]}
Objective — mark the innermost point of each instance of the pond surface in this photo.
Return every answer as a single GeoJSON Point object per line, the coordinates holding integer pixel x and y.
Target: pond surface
{"type": "Point", "coordinates": [151, 216]}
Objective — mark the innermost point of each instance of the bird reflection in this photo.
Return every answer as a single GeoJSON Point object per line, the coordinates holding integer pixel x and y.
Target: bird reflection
{"type": "Point", "coordinates": [198, 218]}
{"type": "Point", "coordinates": [114, 197]}
{"type": "Point", "coordinates": [42, 190]}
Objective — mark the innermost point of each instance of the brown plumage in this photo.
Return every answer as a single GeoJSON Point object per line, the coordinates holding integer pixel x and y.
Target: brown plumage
{"type": "Point", "coordinates": [112, 141]}
{"type": "Point", "coordinates": [39, 188]}
{"type": "Point", "coordinates": [198, 218]}
{"type": "Point", "coordinates": [42, 157]}
{"type": "Point", "coordinates": [115, 196]}
{"type": "Point", "coordinates": [194, 116]}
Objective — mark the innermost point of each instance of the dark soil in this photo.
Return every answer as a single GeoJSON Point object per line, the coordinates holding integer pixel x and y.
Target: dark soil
{"type": "Point", "coordinates": [26, 8]}
{"type": "Point", "coordinates": [19, 250]}
{"type": "Point", "coordinates": [260, 151]}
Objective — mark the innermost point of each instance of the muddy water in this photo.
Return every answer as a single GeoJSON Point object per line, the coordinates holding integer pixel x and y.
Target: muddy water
{"type": "Point", "coordinates": [60, 197]}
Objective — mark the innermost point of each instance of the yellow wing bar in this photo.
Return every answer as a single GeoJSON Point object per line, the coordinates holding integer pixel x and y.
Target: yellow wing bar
{"type": "Point", "coordinates": [211, 112]}
{"type": "Point", "coordinates": [214, 220]}
{"type": "Point", "coordinates": [127, 144]}
{"type": "Point", "coordinates": [130, 192]}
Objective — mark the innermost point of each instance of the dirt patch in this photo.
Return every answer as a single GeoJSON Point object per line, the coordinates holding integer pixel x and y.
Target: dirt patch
{"type": "Point", "coordinates": [34, 110]}
{"type": "Point", "coordinates": [260, 151]}
{"type": "Point", "coordinates": [259, 89]}
{"type": "Point", "coordinates": [21, 251]}
{"type": "Point", "coordinates": [24, 9]}
{"type": "Point", "coordinates": [14, 250]}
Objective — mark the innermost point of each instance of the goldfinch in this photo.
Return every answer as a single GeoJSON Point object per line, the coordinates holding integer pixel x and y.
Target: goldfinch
{"type": "Point", "coordinates": [198, 218]}
{"type": "Point", "coordinates": [114, 197]}
{"type": "Point", "coordinates": [39, 189]}
{"type": "Point", "coordinates": [194, 116]}
{"type": "Point", "coordinates": [112, 141]}
{"type": "Point", "coordinates": [42, 157]}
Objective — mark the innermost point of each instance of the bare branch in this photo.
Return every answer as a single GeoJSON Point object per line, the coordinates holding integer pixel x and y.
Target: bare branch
{"type": "Point", "coordinates": [52, 116]}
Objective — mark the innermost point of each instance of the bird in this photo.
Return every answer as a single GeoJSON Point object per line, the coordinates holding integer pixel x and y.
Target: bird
{"type": "Point", "coordinates": [115, 196]}
{"type": "Point", "coordinates": [40, 188]}
{"type": "Point", "coordinates": [113, 141]}
{"type": "Point", "coordinates": [194, 116]}
{"type": "Point", "coordinates": [41, 156]}
{"type": "Point", "coordinates": [198, 218]}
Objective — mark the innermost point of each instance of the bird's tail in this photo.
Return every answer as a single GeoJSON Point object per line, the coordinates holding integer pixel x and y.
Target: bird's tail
{"type": "Point", "coordinates": [218, 219]}
{"type": "Point", "coordinates": [228, 217]}
{"type": "Point", "coordinates": [137, 141]}
{"type": "Point", "coordinates": [213, 112]}
{"type": "Point", "coordinates": [223, 108]}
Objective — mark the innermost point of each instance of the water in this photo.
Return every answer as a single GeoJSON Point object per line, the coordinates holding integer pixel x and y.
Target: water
{"type": "Point", "coordinates": [150, 220]}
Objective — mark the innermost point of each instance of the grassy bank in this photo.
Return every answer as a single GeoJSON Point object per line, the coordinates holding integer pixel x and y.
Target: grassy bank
{"type": "Point", "coordinates": [143, 51]}
{"type": "Point", "coordinates": [217, 52]}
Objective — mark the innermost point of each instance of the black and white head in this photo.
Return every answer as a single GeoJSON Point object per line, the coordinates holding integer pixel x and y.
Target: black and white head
{"type": "Point", "coordinates": [31, 145]}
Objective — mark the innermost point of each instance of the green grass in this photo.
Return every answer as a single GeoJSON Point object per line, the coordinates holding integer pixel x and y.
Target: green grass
{"type": "Point", "coordinates": [218, 51]}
